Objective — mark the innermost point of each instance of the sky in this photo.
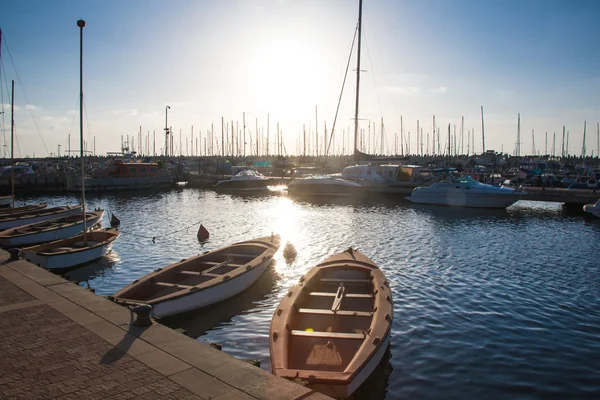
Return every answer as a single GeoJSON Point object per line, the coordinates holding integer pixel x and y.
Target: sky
{"type": "Point", "coordinates": [287, 59]}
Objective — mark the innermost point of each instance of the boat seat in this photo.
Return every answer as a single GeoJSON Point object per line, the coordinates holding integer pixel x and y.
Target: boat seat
{"type": "Point", "coordinates": [221, 263]}
{"type": "Point", "coordinates": [344, 280]}
{"type": "Point", "coordinates": [174, 285]}
{"type": "Point", "coordinates": [332, 335]}
{"type": "Point", "coordinates": [329, 312]}
{"type": "Point", "coordinates": [348, 295]}
{"type": "Point", "coordinates": [240, 255]}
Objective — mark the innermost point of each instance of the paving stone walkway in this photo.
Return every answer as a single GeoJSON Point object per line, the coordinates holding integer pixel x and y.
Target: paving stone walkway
{"type": "Point", "coordinates": [60, 341]}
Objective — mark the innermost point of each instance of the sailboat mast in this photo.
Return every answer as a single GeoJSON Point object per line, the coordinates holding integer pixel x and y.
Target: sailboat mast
{"type": "Point", "coordinates": [12, 143]}
{"type": "Point", "coordinates": [357, 79]}
{"type": "Point", "coordinates": [81, 24]}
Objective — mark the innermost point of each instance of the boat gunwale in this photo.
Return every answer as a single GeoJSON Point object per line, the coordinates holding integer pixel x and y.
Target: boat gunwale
{"type": "Point", "coordinates": [46, 212]}
{"type": "Point", "coordinates": [270, 246]}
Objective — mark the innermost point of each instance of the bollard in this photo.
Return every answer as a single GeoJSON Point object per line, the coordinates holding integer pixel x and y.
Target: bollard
{"type": "Point", "coordinates": [143, 315]}
{"type": "Point", "coordinates": [14, 254]}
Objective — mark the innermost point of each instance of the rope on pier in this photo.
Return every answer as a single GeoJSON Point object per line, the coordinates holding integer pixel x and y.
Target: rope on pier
{"type": "Point", "coordinates": [160, 236]}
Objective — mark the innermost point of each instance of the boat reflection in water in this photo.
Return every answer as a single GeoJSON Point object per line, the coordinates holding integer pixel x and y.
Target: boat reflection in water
{"type": "Point", "coordinates": [89, 272]}
{"type": "Point", "coordinates": [197, 323]}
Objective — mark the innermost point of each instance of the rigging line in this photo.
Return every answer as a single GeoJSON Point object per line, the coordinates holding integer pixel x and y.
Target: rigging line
{"type": "Point", "coordinates": [24, 95]}
{"type": "Point", "coordinates": [342, 91]}
{"type": "Point", "coordinates": [73, 120]}
{"type": "Point", "coordinates": [4, 130]}
{"type": "Point", "coordinates": [373, 75]}
{"type": "Point", "coordinates": [87, 120]}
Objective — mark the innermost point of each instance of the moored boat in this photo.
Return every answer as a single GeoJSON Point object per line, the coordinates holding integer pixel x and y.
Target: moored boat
{"type": "Point", "coordinates": [76, 250]}
{"type": "Point", "coordinates": [464, 191]}
{"type": "Point", "coordinates": [202, 280]}
{"type": "Point", "coordinates": [324, 185]}
{"type": "Point", "coordinates": [14, 211]}
{"type": "Point", "coordinates": [593, 209]}
{"type": "Point", "coordinates": [244, 180]}
{"type": "Point", "coordinates": [50, 230]}
{"type": "Point", "coordinates": [5, 201]}
{"type": "Point", "coordinates": [333, 327]}
{"type": "Point", "coordinates": [8, 221]}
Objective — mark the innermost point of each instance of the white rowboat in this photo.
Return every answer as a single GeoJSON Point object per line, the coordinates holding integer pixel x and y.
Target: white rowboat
{"type": "Point", "coordinates": [72, 251]}
{"type": "Point", "coordinates": [8, 221]}
{"type": "Point", "coordinates": [202, 280]}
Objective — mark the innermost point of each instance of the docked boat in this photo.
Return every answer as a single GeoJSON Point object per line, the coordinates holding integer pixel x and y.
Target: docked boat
{"type": "Point", "coordinates": [202, 280]}
{"type": "Point", "coordinates": [593, 209]}
{"type": "Point", "coordinates": [14, 211]}
{"type": "Point", "coordinates": [464, 191]}
{"type": "Point", "coordinates": [48, 231]}
{"type": "Point", "coordinates": [5, 201]}
{"type": "Point", "coordinates": [244, 180]}
{"type": "Point", "coordinates": [8, 221]}
{"type": "Point", "coordinates": [121, 176]}
{"type": "Point", "coordinates": [324, 185]}
{"type": "Point", "coordinates": [76, 250]}
{"type": "Point", "coordinates": [332, 328]}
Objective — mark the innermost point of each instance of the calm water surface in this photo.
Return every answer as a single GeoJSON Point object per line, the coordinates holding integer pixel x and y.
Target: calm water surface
{"type": "Point", "coordinates": [487, 304]}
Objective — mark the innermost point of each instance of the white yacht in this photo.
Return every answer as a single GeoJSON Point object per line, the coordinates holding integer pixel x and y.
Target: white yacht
{"type": "Point", "coordinates": [244, 180]}
{"type": "Point", "coordinates": [464, 191]}
{"type": "Point", "coordinates": [593, 209]}
{"type": "Point", "coordinates": [389, 178]}
{"type": "Point", "coordinates": [324, 185]}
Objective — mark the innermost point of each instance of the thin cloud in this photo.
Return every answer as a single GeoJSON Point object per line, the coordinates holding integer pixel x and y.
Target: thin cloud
{"type": "Point", "coordinates": [401, 89]}
{"type": "Point", "coordinates": [441, 89]}
{"type": "Point", "coordinates": [31, 107]}
{"type": "Point", "coordinates": [129, 113]}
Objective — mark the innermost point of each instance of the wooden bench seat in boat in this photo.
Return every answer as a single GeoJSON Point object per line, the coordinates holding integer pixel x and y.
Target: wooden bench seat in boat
{"type": "Point", "coordinates": [241, 255]}
{"type": "Point", "coordinates": [345, 280]}
{"type": "Point", "coordinates": [332, 335]}
{"type": "Point", "coordinates": [340, 312]}
{"type": "Point", "coordinates": [348, 295]}
{"type": "Point", "coordinates": [174, 285]}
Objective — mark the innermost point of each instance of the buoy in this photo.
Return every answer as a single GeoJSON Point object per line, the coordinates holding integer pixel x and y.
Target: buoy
{"type": "Point", "coordinates": [289, 253]}
{"type": "Point", "coordinates": [203, 234]}
{"type": "Point", "coordinates": [114, 220]}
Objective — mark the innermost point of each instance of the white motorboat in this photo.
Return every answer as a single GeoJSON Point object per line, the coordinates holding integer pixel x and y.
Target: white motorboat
{"type": "Point", "coordinates": [593, 209]}
{"type": "Point", "coordinates": [244, 180]}
{"type": "Point", "coordinates": [8, 221]}
{"type": "Point", "coordinates": [333, 327]}
{"type": "Point", "coordinates": [76, 250]}
{"type": "Point", "coordinates": [464, 191]}
{"type": "Point", "coordinates": [48, 231]}
{"type": "Point", "coordinates": [324, 185]}
{"type": "Point", "coordinates": [202, 280]}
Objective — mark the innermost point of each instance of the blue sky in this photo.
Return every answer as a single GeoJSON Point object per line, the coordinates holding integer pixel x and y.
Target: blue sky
{"type": "Point", "coordinates": [213, 59]}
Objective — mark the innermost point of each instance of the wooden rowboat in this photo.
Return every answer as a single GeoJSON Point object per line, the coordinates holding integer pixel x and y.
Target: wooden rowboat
{"type": "Point", "coordinates": [30, 217]}
{"type": "Point", "coordinates": [48, 231]}
{"type": "Point", "coordinates": [202, 280]}
{"type": "Point", "coordinates": [333, 328]}
{"type": "Point", "coordinates": [72, 251]}
{"type": "Point", "coordinates": [14, 211]}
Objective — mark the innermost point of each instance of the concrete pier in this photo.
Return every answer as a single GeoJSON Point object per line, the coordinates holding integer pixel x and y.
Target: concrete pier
{"type": "Point", "coordinates": [61, 341]}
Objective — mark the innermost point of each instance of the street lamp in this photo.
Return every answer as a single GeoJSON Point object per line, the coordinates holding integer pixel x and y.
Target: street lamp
{"type": "Point", "coordinates": [166, 131]}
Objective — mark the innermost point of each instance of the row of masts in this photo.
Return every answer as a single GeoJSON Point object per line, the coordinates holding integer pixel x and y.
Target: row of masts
{"type": "Point", "coordinates": [235, 139]}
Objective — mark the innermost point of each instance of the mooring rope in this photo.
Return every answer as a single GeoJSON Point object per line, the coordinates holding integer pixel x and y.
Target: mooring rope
{"type": "Point", "coordinates": [160, 236]}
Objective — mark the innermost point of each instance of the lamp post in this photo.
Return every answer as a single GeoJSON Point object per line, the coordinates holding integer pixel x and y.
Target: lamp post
{"type": "Point", "coordinates": [167, 130]}
{"type": "Point", "coordinates": [81, 24]}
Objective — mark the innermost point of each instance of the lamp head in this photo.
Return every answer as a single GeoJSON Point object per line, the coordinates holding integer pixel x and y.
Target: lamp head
{"type": "Point", "coordinates": [81, 23]}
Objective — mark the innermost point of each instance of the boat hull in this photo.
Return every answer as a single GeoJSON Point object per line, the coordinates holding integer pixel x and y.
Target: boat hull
{"type": "Point", "coordinates": [68, 259]}
{"type": "Point", "coordinates": [593, 209]}
{"type": "Point", "coordinates": [5, 201]}
{"type": "Point", "coordinates": [243, 185]}
{"type": "Point", "coordinates": [9, 223]}
{"type": "Point", "coordinates": [461, 200]}
{"type": "Point", "coordinates": [49, 235]}
{"type": "Point", "coordinates": [318, 189]}
{"type": "Point", "coordinates": [118, 184]}
{"type": "Point", "coordinates": [211, 295]}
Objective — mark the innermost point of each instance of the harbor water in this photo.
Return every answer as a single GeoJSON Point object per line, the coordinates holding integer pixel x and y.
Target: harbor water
{"type": "Point", "coordinates": [487, 304]}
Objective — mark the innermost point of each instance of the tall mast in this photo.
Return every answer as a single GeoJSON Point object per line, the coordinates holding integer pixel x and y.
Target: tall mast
{"type": "Point", "coordinates": [482, 130]}
{"type": "Point", "coordinates": [357, 79]}
{"type": "Point", "coordinates": [81, 24]}
{"type": "Point", "coordinates": [12, 142]}
{"type": "Point", "coordinates": [583, 146]}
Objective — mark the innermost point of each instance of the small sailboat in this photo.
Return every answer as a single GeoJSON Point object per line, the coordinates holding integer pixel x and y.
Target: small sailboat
{"type": "Point", "coordinates": [82, 248]}
{"type": "Point", "coordinates": [202, 280]}
{"type": "Point", "coordinates": [51, 230]}
{"type": "Point", "coordinates": [73, 251]}
{"type": "Point", "coordinates": [333, 327]}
